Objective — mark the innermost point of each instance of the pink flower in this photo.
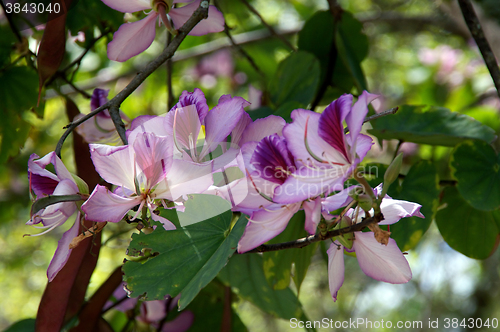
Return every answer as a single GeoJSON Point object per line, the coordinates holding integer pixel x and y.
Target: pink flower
{"type": "Point", "coordinates": [134, 38]}
{"type": "Point", "coordinates": [44, 183]}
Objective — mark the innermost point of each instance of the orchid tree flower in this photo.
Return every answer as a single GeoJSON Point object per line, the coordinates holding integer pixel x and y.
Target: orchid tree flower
{"type": "Point", "coordinates": [100, 129]}
{"type": "Point", "coordinates": [44, 183]}
{"type": "Point", "coordinates": [326, 156]}
{"type": "Point", "coordinates": [144, 172]}
{"type": "Point", "coordinates": [190, 119]}
{"type": "Point", "coordinates": [380, 262]}
{"type": "Point", "coordinates": [134, 38]}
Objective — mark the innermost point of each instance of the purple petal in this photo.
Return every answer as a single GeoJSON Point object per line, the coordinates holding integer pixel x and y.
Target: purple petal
{"type": "Point", "coordinates": [185, 178]}
{"type": "Point", "coordinates": [62, 253]}
{"type": "Point", "coordinates": [114, 164]}
{"type": "Point", "coordinates": [221, 120]}
{"type": "Point", "coordinates": [132, 38]}
{"type": "Point", "coordinates": [313, 214]}
{"type": "Point", "coordinates": [181, 323]}
{"type": "Point", "coordinates": [196, 98]}
{"type": "Point", "coordinates": [103, 205]}
{"type": "Point", "coordinates": [154, 157]}
{"type": "Point", "coordinates": [272, 160]}
{"type": "Point", "coordinates": [99, 98]}
{"type": "Point", "coordinates": [254, 97]}
{"type": "Point", "coordinates": [362, 146]}
{"type": "Point", "coordinates": [380, 262]}
{"type": "Point", "coordinates": [295, 132]}
{"type": "Point", "coordinates": [187, 127]}
{"type": "Point", "coordinates": [394, 210]}
{"type": "Point", "coordinates": [265, 225]}
{"type": "Point", "coordinates": [147, 124]}
{"type": "Point", "coordinates": [128, 6]}
{"type": "Point", "coordinates": [356, 117]}
{"type": "Point", "coordinates": [335, 268]}
{"type": "Point", "coordinates": [214, 22]}
{"type": "Point", "coordinates": [152, 311]}
{"type": "Point", "coordinates": [240, 127]}
{"type": "Point", "coordinates": [309, 182]}
{"type": "Point", "coordinates": [330, 126]}
{"type": "Point", "coordinates": [167, 224]}
{"type": "Point", "coordinates": [261, 128]}
{"type": "Point", "coordinates": [341, 199]}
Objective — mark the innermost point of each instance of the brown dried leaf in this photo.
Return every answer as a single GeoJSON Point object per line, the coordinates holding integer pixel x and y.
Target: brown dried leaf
{"type": "Point", "coordinates": [380, 235]}
{"type": "Point", "coordinates": [88, 233]}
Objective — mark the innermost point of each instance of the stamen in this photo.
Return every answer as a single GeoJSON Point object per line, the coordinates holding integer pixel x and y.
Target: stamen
{"type": "Point", "coordinates": [176, 143]}
{"type": "Point", "coordinates": [138, 210]}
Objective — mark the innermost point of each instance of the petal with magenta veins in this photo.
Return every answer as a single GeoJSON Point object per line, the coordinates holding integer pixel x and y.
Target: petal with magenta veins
{"type": "Point", "coordinates": [265, 225]}
{"type": "Point", "coordinates": [261, 128]}
{"type": "Point", "coordinates": [103, 205]}
{"type": "Point", "coordinates": [115, 164]}
{"type": "Point", "coordinates": [380, 262]}
{"type": "Point", "coordinates": [272, 159]}
{"type": "Point", "coordinates": [132, 39]}
{"type": "Point", "coordinates": [153, 155]}
{"type": "Point", "coordinates": [340, 199]}
{"type": "Point", "coordinates": [62, 253]}
{"type": "Point", "coordinates": [335, 268]}
{"type": "Point", "coordinates": [330, 126]}
{"type": "Point", "coordinates": [213, 23]}
{"type": "Point", "coordinates": [295, 134]}
{"type": "Point", "coordinates": [128, 6]}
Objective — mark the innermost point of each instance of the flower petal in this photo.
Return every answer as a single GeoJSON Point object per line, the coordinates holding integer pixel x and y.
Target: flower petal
{"type": "Point", "coordinates": [41, 181]}
{"type": "Point", "coordinates": [331, 128]}
{"type": "Point", "coordinates": [240, 127]}
{"type": "Point", "coordinates": [132, 38]}
{"type": "Point", "coordinates": [356, 117]}
{"type": "Point", "coordinates": [340, 199]}
{"type": "Point", "coordinates": [272, 160]}
{"type": "Point", "coordinates": [128, 6]}
{"type": "Point", "coordinates": [115, 164]}
{"type": "Point", "coordinates": [221, 120]}
{"type": "Point", "coordinates": [261, 128]}
{"type": "Point", "coordinates": [214, 22]}
{"type": "Point", "coordinates": [196, 98]}
{"type": "Point", "coordinates": [103, 205]}
{"type": "Point", "coordinates": [380, 262]}
{"type": "Point", "coordinates": [265, 225]}
{"type": "Point", "coordinates": [167, 224]}
{"type": "Point", "coordinates": [153, 155]}
{"type": "Point", "coordinates": [394, 210]}
{"type": "Point", "coordinates": [62, 253]}
{"type": "Point", "coordinates": [313, 214]}
{"type": "Point", "coordinates": [147, 124]}
{"type": "Point", "coordinates": [335, 268]}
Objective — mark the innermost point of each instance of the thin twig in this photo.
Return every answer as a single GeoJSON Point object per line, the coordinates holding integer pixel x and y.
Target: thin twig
{"type": "Point", "coordinates": [114, 112]}
{"type": "Point", "coordinates": [170, 91]}
{"type": "Point", "coordinates": [200, 13]}
{"type": "Point", "coordinates": [77, 89]}
{"type": "Point", "coordinates": [476, 31]}
{"type": "Point", "coordinates": [243, 52]}
{"type": "Point", "coordinates": [376, 116]}
{"type": "Point", "coordinates": [270, 28]}
{"type": "Point", "coordinates": [300, 243]}
{"type": "Point", "coordinates": [11, 23]}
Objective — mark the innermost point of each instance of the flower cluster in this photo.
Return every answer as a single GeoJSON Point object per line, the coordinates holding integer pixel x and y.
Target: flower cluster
{"type": "Point", "coordinates": [283, 168]}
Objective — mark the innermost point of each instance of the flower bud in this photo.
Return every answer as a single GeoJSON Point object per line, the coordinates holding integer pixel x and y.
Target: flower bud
{"type": "Point", "coordinates": [345, 239]}
{"type": "Point", "coordinates": [365, 202]}
{"type": "Point", "coordinates": [392, 173]}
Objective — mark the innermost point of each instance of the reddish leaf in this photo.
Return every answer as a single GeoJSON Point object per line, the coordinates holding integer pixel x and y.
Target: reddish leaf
{"type": "Point", "coordinates": [53, 45]}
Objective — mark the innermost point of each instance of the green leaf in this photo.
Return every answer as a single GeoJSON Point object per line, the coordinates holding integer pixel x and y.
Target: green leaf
{"type": "Point", "coordinates": [285, 110]}
{"type": "Point", "coordinates": [82, 17]}
{"type": "Point", "coordinates": [7, 40]}
{"type": "Point", "coordinates": [200, 207]}
{"type": "Point", "coordinates": [260, 112]}
{"type": "Point", "coordinates": [245, 273]}
{"type": "Point", "coordinates": [278, 264]}
{"type": "Point", "coordinates": [421, 185]}
{"type": "Point", "coordinates": [476, 167]}
{"type": "Point", "coordinates": [296, 79]}
{"type": "Point", "coordinates": [43, 202]}
{"type": "Point", "coordinates": [25, 325]}
{"type": "Point", "coordinates": [18, 93]}
{"type": "Point", "coordinates": [183, 260]}
{"type": "Point", "coordinates": [430, 125]}
{"type": "Point", "coordinates": [352, 48]}
{"type": "Point", "coordinates": [472, 232]}
{"type": "Point", "coordinates": [320, 24]}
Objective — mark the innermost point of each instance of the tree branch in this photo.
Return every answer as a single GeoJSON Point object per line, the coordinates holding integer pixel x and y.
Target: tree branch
{"type": "Point", "coordinates": [476, 31]}
{"type": "Point", "coordinates": [300, 243]}
{"type": "Point", "coordinates": [200, 13]}
{"type": "Point", "coordinates": [270, 28]}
